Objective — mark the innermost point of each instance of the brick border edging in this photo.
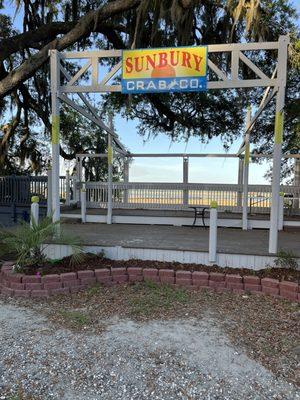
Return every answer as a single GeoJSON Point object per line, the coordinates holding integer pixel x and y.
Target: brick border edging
{"type": "Point", "coordinates": [20, 285]}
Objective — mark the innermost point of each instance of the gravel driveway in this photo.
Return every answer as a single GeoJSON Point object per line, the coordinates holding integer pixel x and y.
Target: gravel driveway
{"type": "Point", "coordinates": [177, 359]}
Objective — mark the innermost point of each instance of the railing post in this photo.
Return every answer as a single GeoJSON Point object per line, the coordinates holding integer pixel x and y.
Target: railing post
{"type": "Point", "coordinates": [213, 228]}
{"type": "Point", "coordinates": [68, 198]}
{"type": "Point", "coordinates": [281, 211]}
{"type": "Point", "coordinates": [296, 182]}
{"type": "Point", "coordinates": [78, 179]}
{"type": "Point", "coordinates": [240, 181]}
{"type": "Point", "coordinates": [185, 181]}
{"type": "Point", "coordinates": [126, 179]}
{"type": "Point", "coordinates": [109, 183]}
{"type": "Point", "coordinates": [34, 215]}
{"type": "Point", "coordinates": [246, 174]}
{"type": "Point", "coordinates": [49, 191]}
{"type": "Point", "coordinates": [83, 204]}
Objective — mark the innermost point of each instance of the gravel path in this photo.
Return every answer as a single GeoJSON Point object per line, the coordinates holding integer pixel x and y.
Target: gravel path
{"type": "Point", "coordinates": [177, 359]}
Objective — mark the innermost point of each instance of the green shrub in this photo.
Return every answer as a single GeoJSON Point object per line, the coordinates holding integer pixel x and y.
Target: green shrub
{"type": "Point", "coordinates": [28, 242]}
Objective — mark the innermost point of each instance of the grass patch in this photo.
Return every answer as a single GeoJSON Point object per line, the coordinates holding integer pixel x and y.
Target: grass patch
{"type": "Point", "coordinates": [75, 318]}
{"type": "Point", "coordinates": [150, 298]}
{"type": "Point", "coordinates": [94, 290]}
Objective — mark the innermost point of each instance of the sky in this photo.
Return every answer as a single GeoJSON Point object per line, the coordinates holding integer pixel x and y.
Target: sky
{"type": "Point", "coordinates": [202, 170]}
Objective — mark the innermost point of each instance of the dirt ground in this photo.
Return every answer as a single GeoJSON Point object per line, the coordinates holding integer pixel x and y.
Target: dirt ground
{"type": "Point", "coordinates": [148, 342]}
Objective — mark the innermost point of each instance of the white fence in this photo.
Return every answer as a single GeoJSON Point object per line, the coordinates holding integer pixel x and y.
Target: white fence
{"type": "Point", "coordinates": [181, 196]}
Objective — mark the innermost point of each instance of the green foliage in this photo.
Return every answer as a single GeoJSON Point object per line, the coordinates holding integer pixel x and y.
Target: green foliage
{"type": "Point", "coordinates": [286, 259]}
{"type": "Point", "coordinates": [155, 23]}
{"type": "Point", "coordinates": [28, 242]}
{"type": "Point", "coordinates": [94, 290]}
{"type": "Point", "coordinates": [152, 298]}
{"type": "Point", "coordinates": [75, 318]}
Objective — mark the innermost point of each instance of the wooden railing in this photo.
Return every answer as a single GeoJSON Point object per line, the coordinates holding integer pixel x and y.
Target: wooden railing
{"type": "Point", "coordinates": [19, 189]}
{"type": "Point", "coordinates": [182, 196]}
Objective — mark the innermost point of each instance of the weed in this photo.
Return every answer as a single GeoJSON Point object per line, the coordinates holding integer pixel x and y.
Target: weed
{"type": "Point", "coordinates": [93, 290]}
{"type": "Point", "coordinates": [101, 254]}
{"type": "Point", "coordinates": [54, 261]}
{"type": "Point", "coordinates": [286, 259]}
{"type": "Point", "coordinates": [76, 318]}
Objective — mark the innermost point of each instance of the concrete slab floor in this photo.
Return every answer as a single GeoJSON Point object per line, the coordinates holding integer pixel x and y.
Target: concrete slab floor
{"type": "Point", "coordinates": [230, 240]}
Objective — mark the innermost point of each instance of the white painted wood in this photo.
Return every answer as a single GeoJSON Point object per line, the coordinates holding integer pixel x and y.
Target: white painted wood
{"type": "Point", "coordinates": [177, 221]}
{"type": "Point", "coordinates": [235, 65]}
{"type": "Point", "coordinates": [277, 153]}
{"type": "Point", "coordinates": [49, 192]}
{"type": "Point", "coordinates": [95, 66]}
{"type": "Point", "coordinates": [68, 192]}
{"type": "Point", "coordinates": [281, 211]}
{"type": "Point", "coordinates": [94, 88]}
{"type": "Point", "coordinates": [179, 155]}
{"type": "Point", "coordinates": [252, 66]}
{"type": "Point", "coordinates": [55, 109]}
{"type": "Point", "coordinates": [110, 177]}
{"type": "Point", "coordinates": [111, 73]}
{"type": "Point", "coordinates": [246, 172]}
{"type": "Point", "coordinates": [216, 70]}
{"type": "Point", "coordinates": [94, 111]}
{"type": "Point", "coordinates": [86, 114]}
{"type": "Point", "coordinates": [79, 74]}
{"type": "Point", "coordinates": [240, 181]}
{"type": "Point", "coordinates": [34, 213]}
{"type": "Point", "coordinates": [185, 176]}
{"type": "Point", "coordinates": [213, 228]}
{"type": "Point", "coordinates": [239, 83]}
{"type": "Point", "coordinates": [215, 48]}
{"type": "Point", "coordinates": [126, 178]}
{"type": "Point", "coordinates": [83, 205]}
{"type": "Point", "coordinates": [91, 54]}
{"type": "Point", "coordinates": [254, 262]}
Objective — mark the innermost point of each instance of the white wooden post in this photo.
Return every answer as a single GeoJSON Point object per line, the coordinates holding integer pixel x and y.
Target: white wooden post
{"type": "Point", "coordinates": [55, 83]}
{"type": "Point", "coordinates": [278, 137]}
{"type": "Point", "coordinates": [296, 182]}
{"type": "Point", "coordinates": [68, 194]}
{"type": "Point", "coordinates": [78, 178]}
{"type": "Point", "coordinates": [281, 211]}
{"type": "Point", "coordinates": [213, 228]}
{"type": "Point", "coordinates": [109, 183]}
{"type": "Point", "coordinates": [126, 179]}
{"type": "Point", "coordinates": [34, 212]}
{"type": "Point", "coordinates": [246, 173]}
{"type": "Point", "coordinates": [185, 177]}
{"type": "Point", "coordinates": [49, 191]}
{"type": "Point", "coordinates": [83, 204]}
{"type": "Point", "coordinates": [240, 181]}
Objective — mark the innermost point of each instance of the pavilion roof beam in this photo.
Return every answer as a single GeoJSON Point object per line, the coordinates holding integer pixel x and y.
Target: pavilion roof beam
{"type": "Point", "coordinates": [264, 102]}
{"type": "Point", "coordinates": [184, 155]}
{"type": "Point", "coordinates": [89, 116]}
{"type": "Point", "coordinates": [195, 155]}
{"type": "Point", "coordinates": [92, 109]}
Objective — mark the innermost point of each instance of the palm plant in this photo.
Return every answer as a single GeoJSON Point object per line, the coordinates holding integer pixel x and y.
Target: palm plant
{"type": "Point", "coordinates": [28, 242]}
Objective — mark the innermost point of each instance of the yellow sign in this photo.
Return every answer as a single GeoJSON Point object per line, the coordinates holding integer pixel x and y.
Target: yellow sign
{"type": "Point", "coordinates": [164, 70]}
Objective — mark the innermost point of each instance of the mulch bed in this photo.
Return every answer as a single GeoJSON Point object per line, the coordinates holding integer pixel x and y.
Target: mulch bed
{"type": "Point", "coordinates": [93, 261]}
